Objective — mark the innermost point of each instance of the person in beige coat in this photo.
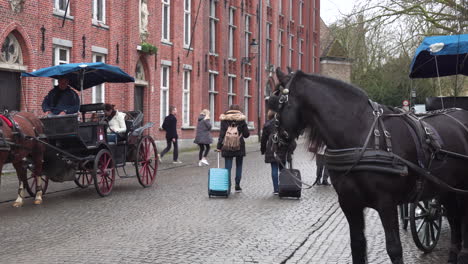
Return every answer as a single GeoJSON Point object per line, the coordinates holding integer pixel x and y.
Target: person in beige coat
{"type": "Point", "coordinates": [116, 121]}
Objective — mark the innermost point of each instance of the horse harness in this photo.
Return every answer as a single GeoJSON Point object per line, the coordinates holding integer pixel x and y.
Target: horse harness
{"type": "Point", "coordinates": [7, 143]}
{"type": "Point", "coordinates": [383, 159]}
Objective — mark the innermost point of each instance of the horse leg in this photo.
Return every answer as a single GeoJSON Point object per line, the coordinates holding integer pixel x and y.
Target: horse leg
{"type": "Point", "coordinates": [355, 216]}
{"type": "Point", "coordinates": [389, 217]}
{"type": "Point", "coordinates": [37, 159]}
{"type": "Point", "coordinates": [454, 219]}
{"type": "Point", "coordinates": [21, 173]}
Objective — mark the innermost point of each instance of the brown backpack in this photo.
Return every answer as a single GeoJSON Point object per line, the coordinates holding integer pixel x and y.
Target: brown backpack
{"type": "Point", "coordinates": [231, 138]}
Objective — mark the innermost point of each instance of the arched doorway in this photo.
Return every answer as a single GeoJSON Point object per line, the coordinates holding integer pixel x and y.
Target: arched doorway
{"type": "Point", "coordinates": [11, 65]}
{"type": "Point", "coordinates": [140, 84]}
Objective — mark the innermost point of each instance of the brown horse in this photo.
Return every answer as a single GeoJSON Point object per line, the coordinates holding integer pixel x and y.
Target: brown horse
{"type": "Point", "coordinates": [18, 147]}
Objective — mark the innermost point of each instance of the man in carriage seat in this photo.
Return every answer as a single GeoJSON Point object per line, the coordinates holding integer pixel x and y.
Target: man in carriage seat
{"type": "Point", "coordinates": [61, 100]}
{"type": "Point", "coordinates": [116, 120]}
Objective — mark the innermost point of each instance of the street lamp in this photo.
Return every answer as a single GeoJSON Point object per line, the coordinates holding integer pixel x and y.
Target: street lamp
{"type": "Point", "coordinates": [253, 52]}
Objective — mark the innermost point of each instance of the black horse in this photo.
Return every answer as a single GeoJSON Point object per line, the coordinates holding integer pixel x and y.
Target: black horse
{"type": "Point", "coordinates": [341, 116]}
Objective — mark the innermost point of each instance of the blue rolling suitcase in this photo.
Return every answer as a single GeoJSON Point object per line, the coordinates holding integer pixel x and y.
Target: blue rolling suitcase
{"type": "Point", "coordinates": [219, 182]}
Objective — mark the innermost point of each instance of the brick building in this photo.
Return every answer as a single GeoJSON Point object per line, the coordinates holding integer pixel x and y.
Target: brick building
{"type": "Point", "coordinates": [204, 57]}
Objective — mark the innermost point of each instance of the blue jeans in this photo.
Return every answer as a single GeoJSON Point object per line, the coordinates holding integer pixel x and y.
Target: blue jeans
{"type": "Point", "coordinates": [275, 169]}
{"type": "Point", "coordinates": [228, 165]}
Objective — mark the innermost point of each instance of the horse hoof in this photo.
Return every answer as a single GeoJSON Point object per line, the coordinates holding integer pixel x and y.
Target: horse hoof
{"type": "Point", "coordinates": [37, 202]}
{"type": "Point", "coordinates": [17, 205]}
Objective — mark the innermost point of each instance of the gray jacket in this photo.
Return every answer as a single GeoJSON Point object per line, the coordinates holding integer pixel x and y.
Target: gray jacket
{"type": "Point", "coordinates": [203, 131]}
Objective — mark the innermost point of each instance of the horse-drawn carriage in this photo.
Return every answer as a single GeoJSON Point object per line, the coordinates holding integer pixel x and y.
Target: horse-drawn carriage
{"type": "Point", "coordinates": [77, 146]}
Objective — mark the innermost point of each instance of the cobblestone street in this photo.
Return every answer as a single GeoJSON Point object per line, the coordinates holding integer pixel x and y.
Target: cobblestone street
{"type": "Point", "coordinates": [175, 222]}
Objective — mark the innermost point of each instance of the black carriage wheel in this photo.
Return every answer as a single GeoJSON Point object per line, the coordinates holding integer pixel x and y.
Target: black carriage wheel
{"type": "Point", "coordinates": [31, 184]}
{"type": "Point", "coordinates": [425, 223]}
{"type": "Point", "coordinates": [104, 172]}
{"type": "Point", "coordinates": [404, 215]}
{"type": "Point", "coordinates": [146, 163]}
{"type": "Point", "coordinates": [83, 178]}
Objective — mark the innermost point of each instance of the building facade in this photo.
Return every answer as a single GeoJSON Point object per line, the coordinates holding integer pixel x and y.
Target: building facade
{"type": "Point", "coordinates": [204, 57]}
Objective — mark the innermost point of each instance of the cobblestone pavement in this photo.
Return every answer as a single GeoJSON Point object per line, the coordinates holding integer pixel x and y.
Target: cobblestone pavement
{"type": "Point", "coordinates": [175, 222]}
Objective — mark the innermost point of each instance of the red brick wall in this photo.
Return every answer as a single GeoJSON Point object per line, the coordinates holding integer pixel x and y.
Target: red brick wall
{"type": "Point", "coordinates": [122, 19]}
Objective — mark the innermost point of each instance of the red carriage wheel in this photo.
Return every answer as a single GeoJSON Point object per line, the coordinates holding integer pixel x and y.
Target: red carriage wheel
{"type": "Point", "coordinates": [146, 163]}
{"type": "Point", "coordinates": [31, 184]}
{"type": "Point", "coordinates": [84, 178]}
{"type": "Point", "coordinates": [104, 172]}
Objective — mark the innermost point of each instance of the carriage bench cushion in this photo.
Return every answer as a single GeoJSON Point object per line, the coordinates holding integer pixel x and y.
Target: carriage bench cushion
{"type": "Point", "coordinates": [372, 160]}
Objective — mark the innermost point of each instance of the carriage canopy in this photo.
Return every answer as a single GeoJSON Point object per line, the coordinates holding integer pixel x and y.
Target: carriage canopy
{"type": "Point", "coordinates": [439, 56]}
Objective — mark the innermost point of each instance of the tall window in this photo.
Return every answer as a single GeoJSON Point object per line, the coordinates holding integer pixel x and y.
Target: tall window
{"type": "Point", "coordinates": [231, 92]}
{"type": "Point", "coordinates": [61, 5]}
{"type": "Point", "coordinates": [280, 6]}
{"type": "Point", "coordinates": [232, 28]}
{"type": "Point", "coordinates": [268, 44]}
{"type": "Point", "coordinates": [291, 50]}
{"type": "Point", "coordinates": [61, 56]}
{"type": "Point", "coordinates": [99, 11]}
{"type": "Point", "coordinates": [212, 93]}
{"type": "Point", "coordinates": [247, 97]}
{"type": "Point", "coordinates": [268, 3]}
{"type": "Point", "coordinates": [300, 54]}
{"type": "Point", "coordinates": [186, 99]}
{"type": "Point", "coordinates": [166, 20]}
{"type": "Point", "coordinates": [99, 90]}
{"type": "Point", "coordinates": [187, 22]}
{"type": "Point", "coordinates": [165, 70]}
{"type": "Point", "coordinates": [301, 7]}
{"type": "Point", "coordinates": [247, 35]}
{"type": "Point", "coordinates": [280, 47]}
{"type": "Point", "coordinates": [213, 21]}
{"type": "Point", "coordinates": [291, 10]}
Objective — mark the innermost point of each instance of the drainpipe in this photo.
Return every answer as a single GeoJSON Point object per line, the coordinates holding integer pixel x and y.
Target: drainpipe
{"type": "Point", "coordinates": [259, 67]}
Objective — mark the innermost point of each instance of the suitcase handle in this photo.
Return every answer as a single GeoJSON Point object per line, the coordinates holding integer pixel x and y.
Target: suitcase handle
{"type": "Point", "coordinates": [218, 158]}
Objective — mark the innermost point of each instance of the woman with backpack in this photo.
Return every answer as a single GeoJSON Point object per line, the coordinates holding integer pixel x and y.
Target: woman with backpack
{"type": "Point", "coordinates": [231, 140]}
{"type": "Point", "coordinates": [203, 137]}
{"type": "Point", "coordinates": [266, 148]}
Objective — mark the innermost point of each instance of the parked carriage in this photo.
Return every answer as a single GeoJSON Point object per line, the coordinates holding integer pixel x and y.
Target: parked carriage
{"type": "Point", "coordinates": [435, 57]}
{"type": "Point", "coordinates": [77, 145]}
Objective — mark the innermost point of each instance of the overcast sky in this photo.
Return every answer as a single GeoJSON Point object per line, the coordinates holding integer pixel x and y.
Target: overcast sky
{"type": "Point", "coordinates": [330, 10]}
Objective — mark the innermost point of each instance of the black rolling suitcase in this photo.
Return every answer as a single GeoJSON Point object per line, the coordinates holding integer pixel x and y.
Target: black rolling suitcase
{"type": "Point", "coordinates": [290, 184]}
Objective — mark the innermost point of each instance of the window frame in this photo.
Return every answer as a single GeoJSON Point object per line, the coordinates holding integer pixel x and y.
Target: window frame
{"type": "Point", "coordinates": [213, 26]}
{"type": "Point", "coordinates": [268, 44]}
{"type": "Point", "coordinates": [247, 97]}
{"type": "Point", "coordinates": [96, 19]}
{"type": "Point", "coordinates": [102, 85]}
{"type": "Point", "coordinates": [232, 32]}
{"type": "Point", "coordinates": [280, 47]}
{"type": "Point", "coordinates": [212, 92]}
{"type": "Point", "coordinates": [165, 90]}
{"type": "Point", "coordinates": [300, 53]}
{"type": "Point", "coordinates": [247, 35]}
{"type": "Point", "coordinates": [57, 7]}
{"type": "Point", "coordinates": [231, 89]}
{"type": "Point", "coordinates": [187, 23]}
{"type": "Point", "coordinates": [291, 49]}
{"type": "Point", "coordinates": [166, 32]}
{"type": "Point", "coordinates": [186, 86]}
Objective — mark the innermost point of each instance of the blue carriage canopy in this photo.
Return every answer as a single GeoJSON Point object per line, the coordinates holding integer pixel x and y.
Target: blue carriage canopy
{"type": "Point", "coordinates": [91, 74]}
{"type": "Point", "coordinates": [439, 56]}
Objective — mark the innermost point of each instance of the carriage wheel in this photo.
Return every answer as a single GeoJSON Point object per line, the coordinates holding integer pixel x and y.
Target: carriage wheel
{"type": "Point", "coordinates": [31, 184]}
{"type": "Point", "coordinates": [425, 223]}
{"type": "Point", "coordinates": [104, 172]}
{"type": "Point", "coordinates": [404, 215]}
{"type": "Point", "coordinates": [146, 164]}
{"type": "Point", "coordinates": [83, 178]}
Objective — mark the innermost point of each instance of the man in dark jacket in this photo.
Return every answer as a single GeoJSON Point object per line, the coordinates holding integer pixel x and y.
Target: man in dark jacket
{"type": "Point", "coordinates": [170, 126]}
{"type": "Point", "coordinates": [61, 100]}
{"type": "Point", "coordinates": [233, 117]}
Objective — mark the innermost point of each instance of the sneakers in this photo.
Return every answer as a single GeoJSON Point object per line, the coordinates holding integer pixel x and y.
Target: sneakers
{"type": "Point", "coordinates": [275, 193]}
{"type": "Point", "coordinates": [326, 183]}
{"type": "Point", "coordinates": [177, 162]}
{"type": "Point", "coordinates": [200, 164]}
{"type": "Point", "coordinates": [204, 161]}
{"type": "Point", "coordinates": [159, 158]}
{"type": "Point", "coordinates": [238, 188]}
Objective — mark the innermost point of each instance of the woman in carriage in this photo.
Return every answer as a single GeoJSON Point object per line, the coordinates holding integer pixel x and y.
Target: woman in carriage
{"type": "Point", "coordinates": [116, 120]}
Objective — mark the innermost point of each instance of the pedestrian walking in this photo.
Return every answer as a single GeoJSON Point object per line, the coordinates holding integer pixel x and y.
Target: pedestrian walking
{"type": "Point", "coordinates": [170, 126]}
{"type": "Point", "coordinates": [231, 140]}
{"type": "Point", "coordinates": [266, 148]}
{"type": "Point", "coordinates": [203, 136]}
{"type": "Point", "coordinates": [321, 167]}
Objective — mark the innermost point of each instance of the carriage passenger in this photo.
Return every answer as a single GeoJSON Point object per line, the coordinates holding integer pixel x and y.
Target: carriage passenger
{"type": "Point", "coordinates": [61, 100]}
{"type": "Point", "coordinates": [116, 121]}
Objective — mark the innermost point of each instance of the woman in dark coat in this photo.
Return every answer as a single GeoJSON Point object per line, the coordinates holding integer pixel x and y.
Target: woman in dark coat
{"type": "Point", "coordinates": [233, 117]}
{"type": "Point", "coordinates": [266, 148]}
{"type": "Point", "coordinates": [203, 137]}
